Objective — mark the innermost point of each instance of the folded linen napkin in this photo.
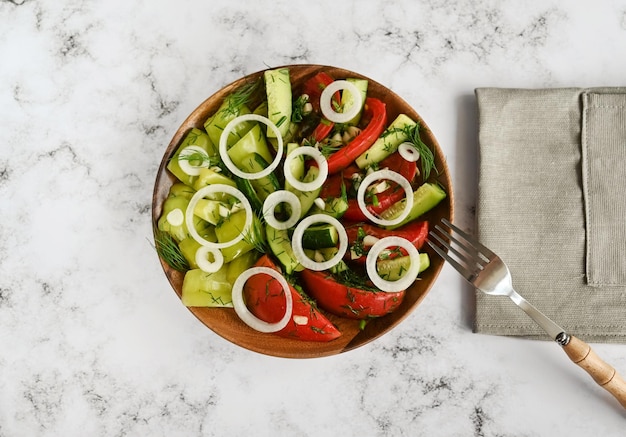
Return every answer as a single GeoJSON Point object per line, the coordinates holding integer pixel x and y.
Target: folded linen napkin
{"type": "Point", "coordinates": [552, 203]}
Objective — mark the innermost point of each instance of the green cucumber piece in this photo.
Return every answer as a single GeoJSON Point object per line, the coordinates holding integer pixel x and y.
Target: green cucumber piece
{"type": "Point", "coordinates": [328, 253]}
{"type": "Point", "coordinates": [394, 269]}
{"type": "Point", "coordinates": [278, 89]}
{"type": "Point", "coordinates": [252, 142]}
{"type": "Point", "coordinates": [306, 198]}
{"type": "Point", "coordinates": [387, 143]}
{"type": "Point", "coordinates": [201, 289]}
{"type": "Point", "coordinates": [181, 190]}
{"type": "Point", "coordinates": [195, 137]}
{"type": "Point", "coordinates": [296, 166]}
{"type": "Point", "coordinates": [264, 186]}
{"type": "Point", "coordinates": [425, 198]}
{"type": "Point", "coordinates": [208, 176]}
{"type": "Point", "coordinates": [335, 207]}
{"type": "Point", "coordinates": [209, 210]}
{"type": "Point", "coordinates": [320, 237]}
{"type": "Point", "coordinates": [245, 186]}
{"type": "Point", "coordinates": [347, 99]}
{"type": "Point", "coordinates": [231, 227]}
{"type": "Point", "coordinates": [239, 265]}
{"type": "Point", "coordinates": [188, 247]}
{"type": "Point", "coordinates": [228, 111]}
{"type": "Point", "coordinates": [280, 244]}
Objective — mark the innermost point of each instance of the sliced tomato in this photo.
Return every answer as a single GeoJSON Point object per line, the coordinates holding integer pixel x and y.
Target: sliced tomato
{"type": "Point", "coordinates": [346, 301]}
{"type": "Point", "coordinates": [265, 298]}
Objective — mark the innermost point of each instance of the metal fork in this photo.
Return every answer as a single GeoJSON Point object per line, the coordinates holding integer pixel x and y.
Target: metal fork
{"type": "Point", "coordinates": [488, 273]}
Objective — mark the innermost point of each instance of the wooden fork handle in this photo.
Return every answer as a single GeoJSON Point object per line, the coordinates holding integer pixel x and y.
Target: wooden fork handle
{"type": "Point", "coordinates": [604, 374]}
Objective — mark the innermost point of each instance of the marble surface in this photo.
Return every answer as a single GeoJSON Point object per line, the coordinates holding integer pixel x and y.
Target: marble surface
{"type": "Point", "coordinates": [92, 339]}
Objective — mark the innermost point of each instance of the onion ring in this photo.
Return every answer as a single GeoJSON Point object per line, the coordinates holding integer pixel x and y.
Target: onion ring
{"type": "Point", "coordinates": [209, 266]}
{"type": "Point", "coordinates": [392, 176]}
{"type": "Point", "coordinates": [322, 164]}
{"type": "Point", "coordinates": [244, 313]}
{"type": "Point", "coordinates": [298, 250]}
{"type": "Point", "coordinates": [223, 149]}
{"type": "Point", "coordinates": [217, 188]}
{"type": "Point", "coordinates": [186, 166]}
{"type": "Point", "coordinates": [326, 101]}
{"type": "Point", "coordinates": [402, 283]}
{"type": "Point", "coordinates": [275, 198]}
{"type": "Point", "coordinates": [409, 152]}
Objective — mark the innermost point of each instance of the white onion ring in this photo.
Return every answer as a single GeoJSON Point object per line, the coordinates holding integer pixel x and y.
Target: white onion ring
{"type": "Point", "coordinates": [326, 101]}
{"type": "Point", "coordinates": [217, 188]}
{"type": "Point", "coordinates": [392, 176]}
{"type": "Point", "coordinates": [244, 313]}
{"type": "Point", "coordinates": [322, 164]}
{"type": "Point", "coordinates": [204, 264]}
{"type": "Point", "coordinates": [298, 250]}
{"type": "Point", "coordinates": [224, 152]}
{"type": "Point", "coordinates": [408, 152]}
{"type": "Point", "coordinates": [402, 283]}
{"type": "Point", "coordinates": [275, 198]}
{"type": "Point", "coordinates": [186, 166]}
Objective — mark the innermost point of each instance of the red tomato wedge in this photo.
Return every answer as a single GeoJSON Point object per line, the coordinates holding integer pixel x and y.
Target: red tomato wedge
{"type": "Point", "coordinates": [347, 301]}
{"type": "Point", "coordinates": [265, 299]}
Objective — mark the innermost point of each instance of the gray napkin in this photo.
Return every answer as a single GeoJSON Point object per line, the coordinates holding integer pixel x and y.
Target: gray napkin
{"type": "Point", "coordinates": [552, 203]}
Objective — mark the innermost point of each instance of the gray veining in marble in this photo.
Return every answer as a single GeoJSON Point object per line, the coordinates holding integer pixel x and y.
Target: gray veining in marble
{"type": "Point", "coordinates": [92, 339]}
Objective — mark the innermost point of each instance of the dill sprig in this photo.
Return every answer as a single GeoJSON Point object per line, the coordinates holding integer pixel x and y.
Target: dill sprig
{"type": "Point", "coordinates": [298, 112]}
{"type": "Point", "coordinates": [255, 236]}
{"type": "Point", "coordinates": [241, 96]}
{"type": "Point", "coordinates": [352, 279]}
{"type": "Point", "coordinates": [412, 132]}
{"type": "Point", "coordinates": [168, 250]}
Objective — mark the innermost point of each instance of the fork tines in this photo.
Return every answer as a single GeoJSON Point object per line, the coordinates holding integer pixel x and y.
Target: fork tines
{"type": "Point", "coordinates": [470, 257]}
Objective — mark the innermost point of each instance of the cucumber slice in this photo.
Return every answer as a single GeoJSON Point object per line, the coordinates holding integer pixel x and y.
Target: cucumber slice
{"type": "Point", "coordinates": [319, 237]}
{"type": "Point", "coordinates": [307, 198]}
{"type": "Point", "coordinates": [239, 265]}
{"type": "Point", "coordinates": [394, 269]}
{"type": "Point", "coordinates": [388, 142]}
{"type": "Point", "coordinates": [202, 289]}
{"type": "Point", "coordinates": [328, 253]}
{"type": "Point", "coordinates": [335, 207]}
{"type": "Point", "coordinates": [228, 111]}
{"type": "Point", "coordinates": [208, 176]}
{"type": "Point", "coordinates": [278, 88]}
{"type": "Point", "coordinates": [245, 186]}
{"type": "Point", "coordinates": [347, 99]}
{"type": "Point", "coordinates": [264, 186]}
{"type": "Point", "coordinates": [181, 190]}
{"type": "Point", "coordinates": [296, 166]}
{"type": "Point", "coordinates": [426, 197]}
{"type": "Point", "coordinates": [231, 227]}
{"type": "Point", "coordinates": [188, 247]}
{"type": "Point", "coordinates": [209, 210]}
{"type": "Point", "coordinates": [195, 137]}
{"type": "Point", "coordinates": [280, 245]}
{"type": "Point", "coordinates": [252, 142]}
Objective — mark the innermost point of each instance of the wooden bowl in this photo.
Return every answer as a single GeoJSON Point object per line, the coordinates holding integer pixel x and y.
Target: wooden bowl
{"type": "Point", "coordinates": [224, 321]}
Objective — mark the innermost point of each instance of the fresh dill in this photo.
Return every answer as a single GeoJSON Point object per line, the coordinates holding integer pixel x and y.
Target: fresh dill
{"type": "Point", "coordinates": [241, 96]}
{"type": "Point", "coordinates": [255, 236]}
{"type": "Point", "coordinates": [298, 111]}
{"type": "Point", "coordinates": [412, 133]}
{"type": "Point", "coordinates": [168, 250]}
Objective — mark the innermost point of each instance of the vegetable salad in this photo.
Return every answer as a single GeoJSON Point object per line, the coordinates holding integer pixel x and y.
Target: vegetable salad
{"type": "Point", "coordinates": [296, 201]}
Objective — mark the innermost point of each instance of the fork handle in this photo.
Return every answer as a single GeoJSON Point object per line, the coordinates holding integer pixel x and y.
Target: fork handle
{"type": "Point", "coordinates": [602, 373]}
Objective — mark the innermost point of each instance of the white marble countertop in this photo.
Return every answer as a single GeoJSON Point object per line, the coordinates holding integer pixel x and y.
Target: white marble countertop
{"type": "Point", "coordinates": [92, 339]}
